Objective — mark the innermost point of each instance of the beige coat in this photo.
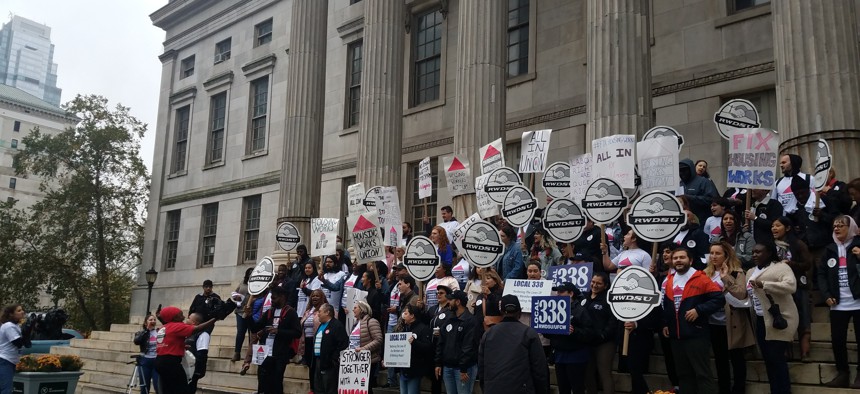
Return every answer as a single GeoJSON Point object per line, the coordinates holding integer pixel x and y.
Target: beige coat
{"type": "Point", "coordinates": [371, 338]}
{"type": "Point", "coordinates": [779, 282]}
{"type": "Point", "coordinates": [739, 326]}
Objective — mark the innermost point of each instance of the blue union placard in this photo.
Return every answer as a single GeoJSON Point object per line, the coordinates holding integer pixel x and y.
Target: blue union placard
{"type": "Point", "coordinates": [551, 314]}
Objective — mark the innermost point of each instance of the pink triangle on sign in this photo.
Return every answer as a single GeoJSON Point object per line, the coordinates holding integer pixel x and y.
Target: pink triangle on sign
{"type": "Point", "coordinates": [362, 224]}
{"type": "Point", "coordinates": [491, 151]}
{"type": "Point", "coordinates": [456, 165]}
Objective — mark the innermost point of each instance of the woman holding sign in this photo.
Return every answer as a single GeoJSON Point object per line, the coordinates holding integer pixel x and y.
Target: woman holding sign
{"type": "Point", "coordinates": [545, 250]}
{"type": "Point", "coordinates": [742, 241]}
{"type": "Point", "coordinates": [308, 282]}
{"type": "Point", "coordinates": [440, 238]}
{"type": "Point", "coordinates": [421, 339]}
{"type": "Point", "coordinates": [606, 329]}
{"type": "Point", "coordinates": [633, 254]}
{"type": "Point", "coordinates": [367, 335]}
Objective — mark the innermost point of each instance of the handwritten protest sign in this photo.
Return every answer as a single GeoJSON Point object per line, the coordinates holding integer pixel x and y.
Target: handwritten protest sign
{"type": "Point", "coordinates": [613, 159]}
{"type": "Point", "coordinates": [398, 350]}
{"type": "Point", "coordinates": [354, 376]}
{"type": "Point", "coordinates": [580, 176]}
{"type": "Point", "coordinates": [460, 231]}
{"type": "Point", "coordinates": [425, 179]}
{"type": "Point", "coordinates": [458, 175]}
{"type": "Point", "coordinates": [753, 155]}
{"type": "Point", "coordinates": [492, 156]}
{"type": "Point", "coordinates": [323, 236]}
{"type": "Point", "coordinates": [388, 211]}
{"type": "Point", "coordinates": [535, 147]}
{"type": "Point", "coordinates": [551, 314]}
{"type": "Point", "coordinates": [366, 237]}
{"type": "Point", "coordinates": [353, 296]}
{"type": "Point", "coordinates": [658, 164]}
{"type": "Point", "coordinates": [525, 289]}
{"type": "Point", "coordinates": [355, 199]}
{"type": "Point", "coordinates": [486, 206]}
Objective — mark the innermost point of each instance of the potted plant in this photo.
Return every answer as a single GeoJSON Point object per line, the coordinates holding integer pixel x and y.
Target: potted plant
{"type": "Point", "coordinates": [48, 373]}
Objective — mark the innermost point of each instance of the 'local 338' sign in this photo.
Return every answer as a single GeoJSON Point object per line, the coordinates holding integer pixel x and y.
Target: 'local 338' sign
{"type": "Point", "coordinates": [421, 258]}
{"type": "Point", "coordinates": [656, 216]}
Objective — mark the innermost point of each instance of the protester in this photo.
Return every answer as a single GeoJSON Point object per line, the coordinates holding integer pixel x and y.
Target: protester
{"type": "Point", "coordinates": [442, 277]}
{"type": "Point", "coordinates": [307, 283]}
{"type": "Point", "coordinates": [375, 297]}
{"type": "Point", "coordinates": [331, 281]}
{"type": "Point", "coordinates": [435, 318]}
{"type": "Point", "coordinates": [782, 190]}
{"type": "Point", "coordinates": [407, 232]}
{"type": "Point", "coordinates": [406, 285]}
{"type": "Point", "coordinates": [771, 284]}
{"type": "Point", "coordinates": [854, 192]}
{"type": "Point", "coordinates": [571, 351]}
{"type": "Point", "coordinates": [282, 330]}
{"type": "Point", "coordinates": [742, 241]}
{"type": "Point", "coordinates": [12, 339]}
{"type": "Point", "coordinates": [698, 190]}
{"type": "Point", "coordinates": [449, 222]}
{"type": "Point", "coordinates": [693, 238]}
{"type": "Point", "coordinates": [241, 297]}
{"type": "Point", "coordinates": [198, 344]}
{"type": "Point", "coordinates": [473, 287]}
{"type": "Point", "coordinates": [343, 257]}
{"type": "Point", "coordinates": [391, 317]}
{"type": "Point", "coordinates": [171, 349]}
{"type": "Point", "coordinates": [147, 340]}
{"type": "Point", "coordinates": [761, 215]}
{"type": "Point", "coordinates": [589, 243]}
{"type": "Point", "coordinates": [633, 253]}
{"type": "Point", "coordinates": [443, 244]}
{"type": "Point", "coordinates": [793, 251]}
{"type": "Point", "coordinates": [460, 272]}
{"type": "Point", "coordinates": [310, 322]}
{"type": "Point", "coordinates": [510, 355]}
{"type": "Point", "coordinates": [297, 270]}
{"type": "Point", "coordinates": [702, 169]}
{"type": "Point", "coordinates": [511, 265]}
{"type": "Point", "coordinates": [202, 301]}
{"type": "Point", "coordinates": [367, 335]}
{"type": "Point", "coordinates": [329, 340]}
{"type": "Point", "coordinates": [712, 227]}
{"type": "Point", "coordinates": [456, 358]}
{"type": "Point", "coordinates": [603, 347]}
{"type": "Point", "coordinates": [545, 250]}
{"type": "Point", "coordinates": [689, 299]}
{"type": "Point", "coordinates": [422, 350]}
{"type": "Point", "coordinates": [731, 331]}
{"type": "Point", "coordinates": [352, 281]}
{"type": "Point", "coordinates": [839, 284]}
{"type": "Point", "coordinates": [487, 305]}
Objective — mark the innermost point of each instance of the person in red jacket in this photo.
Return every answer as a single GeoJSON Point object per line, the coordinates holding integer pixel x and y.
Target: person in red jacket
{"type": "Point", "coordinates": [689, 297]}
{"type": "Point", "coordinates": [171, 349]}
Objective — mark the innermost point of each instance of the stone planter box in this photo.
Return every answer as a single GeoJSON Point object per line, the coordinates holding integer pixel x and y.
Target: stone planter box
{"type": "Point", "coordinates": [45, 382]}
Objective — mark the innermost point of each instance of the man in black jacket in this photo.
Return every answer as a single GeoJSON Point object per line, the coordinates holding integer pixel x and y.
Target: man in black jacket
{"type": "Point", "coordinates": [329, 341]}
{"type": "Point", "coordinates": [204, 305]}
{"type": "Point", "coordinates": [762, 213]}
{"type": "Point", "coordinates": [280, 326]}
{"type": "Point", "coordinates": [511, 358]}
{"type": "Point", "coordinates": [456, 358]}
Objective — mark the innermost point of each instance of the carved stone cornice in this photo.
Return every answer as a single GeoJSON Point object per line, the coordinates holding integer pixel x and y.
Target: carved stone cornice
{"type": "Point", "coordinates": [713, 78]}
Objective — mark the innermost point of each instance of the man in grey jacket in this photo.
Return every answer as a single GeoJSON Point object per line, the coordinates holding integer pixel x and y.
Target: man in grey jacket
{"type": "Point", "coordinates": [699, 191]}
{"type": "Point", "coordinates": [511, 358]}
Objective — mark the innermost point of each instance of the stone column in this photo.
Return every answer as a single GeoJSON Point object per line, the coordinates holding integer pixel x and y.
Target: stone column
{"type": "Point", "coordinates": [380, 132]}
{"type": "Point", "coordinates": [818, 80]}
{"type": "Point", "coordinates": [303, 135]}
{"type": "Point", "coordinates": [479, 115]}
{"type": "Point", "coordinates": [619, 69]}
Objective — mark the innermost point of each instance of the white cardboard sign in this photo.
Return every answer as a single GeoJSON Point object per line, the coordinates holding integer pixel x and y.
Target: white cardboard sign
{"type": "Point", "coordinates": [525, 289]}
{"type": "Point", "coordinates": [658, 164]}
{"type": "Point", "coordinates": [366, 237]}
{"type": "Point", "coordinates": [535, 148]}
{"type": "Point", "coordinates": [398, 350]}
{"type": "Point", "coordinates": [492, 156]}
{"type": "Point", "coordinates": [580, 176]}
{"type": "Point", "coordinates": [355, 199]}
{"type": "Point", "coordinates": [458, 175]}
{"type": "Point", "coordinates": [425, 179]}
{"type": "Point", "coordinates": [753, 157]}
{"type": "Point", "coordinates": [613, 159]}
{"type": "Point", "coordinates": [323, 236]}
{"type": "Point", "coordinates": [486, 206]}
{"type": "Point", "coordinates": [354, 376]}
{"type": "Point", "coordinates": [388, 211]}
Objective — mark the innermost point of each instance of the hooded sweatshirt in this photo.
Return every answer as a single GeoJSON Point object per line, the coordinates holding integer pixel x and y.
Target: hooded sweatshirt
{"type": "Point", "coordinates": [782, 190]}
{"type": "Point", "coordinates": [699, 191]}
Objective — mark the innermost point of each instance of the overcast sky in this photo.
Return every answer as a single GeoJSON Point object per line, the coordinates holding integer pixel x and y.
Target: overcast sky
{"type": "Point", "coordinates": [104, 47]}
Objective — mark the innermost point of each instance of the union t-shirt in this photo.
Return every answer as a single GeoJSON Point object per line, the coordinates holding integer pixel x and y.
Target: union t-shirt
{"type": "Point", "coordinates": [171, 338]}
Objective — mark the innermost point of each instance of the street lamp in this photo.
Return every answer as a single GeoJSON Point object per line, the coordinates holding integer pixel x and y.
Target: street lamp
{"type": "Point", "coordinates": [151, 276]}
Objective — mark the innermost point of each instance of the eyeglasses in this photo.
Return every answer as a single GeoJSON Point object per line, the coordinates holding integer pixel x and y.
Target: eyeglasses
{"type": "Point", "coordinates": [839, 226]}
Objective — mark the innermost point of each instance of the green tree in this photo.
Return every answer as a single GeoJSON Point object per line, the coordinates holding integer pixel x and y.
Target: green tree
{"type": "Point", "coordinates": [87, 232]}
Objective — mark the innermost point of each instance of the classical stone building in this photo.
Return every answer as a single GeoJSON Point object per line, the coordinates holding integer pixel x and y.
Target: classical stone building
{"type": "Point", "coordinates": [270, 109]}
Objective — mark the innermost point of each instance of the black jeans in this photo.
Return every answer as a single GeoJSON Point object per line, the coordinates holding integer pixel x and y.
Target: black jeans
{"type": "Point", "coordinates": [326, 380]}
{"type": "Point", "coordinates": [693, 365]}
{"type": "Point", "coordinates": [638, 354]}
{"type": "Point", "coordinates": [309, 361]}
{"type": "Point", "coordinates": [242, 327]}
{"type": "Point", "coordinates": [775, 363]}
{"type": "Point", "coordinates": [271, 375]}
{"type": "Point", "coordinates": [723, 357]}
{"type": "Point", "coordinates": [571, 378]}
{"type": "Point", "coordinates": [171, 375]}
{"type": "Point", "coordinates": [839, 335]}
{"type": "Point", "coordinates": [669, 360]}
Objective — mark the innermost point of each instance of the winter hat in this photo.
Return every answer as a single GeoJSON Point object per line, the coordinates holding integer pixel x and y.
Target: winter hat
{"type": "Point", "coordinates": [167, 314]}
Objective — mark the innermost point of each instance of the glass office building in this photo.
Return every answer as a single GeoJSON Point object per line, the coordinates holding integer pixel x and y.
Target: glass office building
{"type": "Point", "coordinates": [27, 59]}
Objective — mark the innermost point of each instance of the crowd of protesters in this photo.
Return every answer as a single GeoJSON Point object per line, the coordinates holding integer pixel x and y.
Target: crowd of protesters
{"type": "Point", "coordinates": [737, 282]}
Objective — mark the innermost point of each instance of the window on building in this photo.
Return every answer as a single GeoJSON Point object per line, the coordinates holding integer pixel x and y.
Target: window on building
{"type": "Point", "coordinates": [427, 49]}
{"type": "Point", "coordinates": [418, 203]}
{"type": "Point", "coordinates": [518, 37]}
{"type": "Point", "coordinates": [17, 126]}
{"type": "Point", "coordinates": [740, 5]}
{"type": "Point", "coordinates": [353, 100]}
{"type": "Point", "coordinates": [171, 238]}
{"type": "Point", "coordinates": [259, 110]}
{"type": "Point", "coordinates": [217, 115]}
{"type": "Point", "coordinates": [209, 228]}
{"type": "Point", "coordinates": [14, 144]}
{"type": "Point", "coordinates": [251, 228]}
{"type": "Point", "coordinates": [222, 50]}
{"type": "Point", "coordinates": [183, 122]}
{"type": "Point", "coordinates": [12, 183]}
{"type": "Point", "coordinates": [263, 33]}
{"type": "Point", "coordinates": [186, 68]}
